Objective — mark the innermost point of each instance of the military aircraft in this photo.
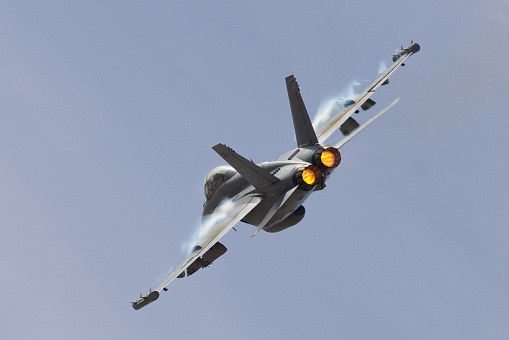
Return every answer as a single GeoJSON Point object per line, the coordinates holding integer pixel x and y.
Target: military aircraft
{"type": "Point", "coordinates": [270, 195]}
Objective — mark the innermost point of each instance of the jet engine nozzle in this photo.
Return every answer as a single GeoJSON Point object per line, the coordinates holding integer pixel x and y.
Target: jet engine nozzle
{"type": "Point", "coordinates": [328, 158]}
{"type": "Point", "coordinates": [308, 177]}
{"type": "Point", "coordinates": [145, 300]}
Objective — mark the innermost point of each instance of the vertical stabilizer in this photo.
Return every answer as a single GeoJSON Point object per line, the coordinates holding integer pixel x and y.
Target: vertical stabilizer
{"type": "Point", "coordinates": [303, 128]}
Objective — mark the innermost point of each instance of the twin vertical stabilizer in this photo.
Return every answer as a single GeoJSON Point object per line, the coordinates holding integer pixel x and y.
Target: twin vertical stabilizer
{"type": "Point", "coordinates": [303, 128]}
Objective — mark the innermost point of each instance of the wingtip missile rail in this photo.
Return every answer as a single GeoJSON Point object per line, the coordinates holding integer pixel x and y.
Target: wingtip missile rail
{"type": "Point", "coordinates": [412, 48]}
{"type": "Point", "coordinates": [145, 300]}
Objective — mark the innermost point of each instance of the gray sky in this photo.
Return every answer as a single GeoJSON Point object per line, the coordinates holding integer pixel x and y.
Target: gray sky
{"type": "Point", "coordinates": [109, 110]}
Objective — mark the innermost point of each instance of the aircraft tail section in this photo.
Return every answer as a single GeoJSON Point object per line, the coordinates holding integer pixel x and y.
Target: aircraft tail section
{"type": "Point", "coordinates": [304, 131]}
{"type": "Point", "coordinates": [256, 176]}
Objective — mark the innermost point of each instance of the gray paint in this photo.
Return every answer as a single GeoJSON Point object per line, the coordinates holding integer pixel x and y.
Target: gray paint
{"type": "Point", "coordinates": [265, 195]}
{"type": "Point", "coordinates": [99, 98]}
{"type": "Point", "coordinates": [304, 131]}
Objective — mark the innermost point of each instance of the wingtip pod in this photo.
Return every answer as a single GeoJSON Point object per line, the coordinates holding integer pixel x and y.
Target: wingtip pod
{"type": "Point", "coordinates": [145, 300]}
{"type": "Point", "coordinates": [412, 48]}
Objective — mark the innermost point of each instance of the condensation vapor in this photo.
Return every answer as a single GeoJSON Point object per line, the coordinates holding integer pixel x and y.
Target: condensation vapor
{"type": "Point", "coordinates": [163, 275]}
{"type": "Point", "coordinates": [209, 222]}
{"type": "Point", "coordinates": [329, 108]}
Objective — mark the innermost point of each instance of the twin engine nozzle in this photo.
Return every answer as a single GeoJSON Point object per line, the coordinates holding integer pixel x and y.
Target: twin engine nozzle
{"type": "Point", "coordinates": [323, 160]}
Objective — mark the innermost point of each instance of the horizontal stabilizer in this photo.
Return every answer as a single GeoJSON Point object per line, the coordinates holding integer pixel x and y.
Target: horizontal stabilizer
{"type": "Point", "coordinates": [256, 176]}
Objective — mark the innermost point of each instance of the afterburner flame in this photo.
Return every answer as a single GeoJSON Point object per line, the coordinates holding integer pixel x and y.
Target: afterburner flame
{"type": "Point", "coordinates": [330, 157]}
{"type": "Point", "coordinates": [309, 176]}
{"type": "Point", "coordinates": [312, 175]}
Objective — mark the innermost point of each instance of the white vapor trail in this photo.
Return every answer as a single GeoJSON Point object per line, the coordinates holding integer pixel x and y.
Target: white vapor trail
{"type": "Point", "coordinates": [163, 275]}
{"type": "Point", "coordinates": [208, 223]}
{"type": "Point", "coordinates": [331, 107]}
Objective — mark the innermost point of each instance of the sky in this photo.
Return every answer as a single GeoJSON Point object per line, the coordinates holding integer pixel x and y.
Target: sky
{"type": "Point", "coordinates": [110, 109]}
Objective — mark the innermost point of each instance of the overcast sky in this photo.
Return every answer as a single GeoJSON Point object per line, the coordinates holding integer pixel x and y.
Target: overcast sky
{"type": "Point", "coordinates": [109, 111]}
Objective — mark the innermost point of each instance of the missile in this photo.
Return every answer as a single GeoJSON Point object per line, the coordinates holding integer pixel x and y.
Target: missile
{"type": "Point", "coordinates": [412, 48]}
{"type": "Point", "coordinates": [145, 300]}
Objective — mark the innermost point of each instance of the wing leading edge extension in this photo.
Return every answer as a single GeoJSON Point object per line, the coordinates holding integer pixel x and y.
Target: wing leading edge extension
{"type": "Point", "coordinates": [242, 205]}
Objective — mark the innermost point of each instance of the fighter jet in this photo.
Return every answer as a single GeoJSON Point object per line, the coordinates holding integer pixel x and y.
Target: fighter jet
{"type": "Point", "coordinates": [270, 195]}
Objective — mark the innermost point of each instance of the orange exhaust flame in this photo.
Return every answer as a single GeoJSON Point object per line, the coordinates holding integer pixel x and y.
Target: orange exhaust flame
{"type": "Point", "coordinates": [330, 157]}
{"type": "Point", "coordinates": [312, 175]}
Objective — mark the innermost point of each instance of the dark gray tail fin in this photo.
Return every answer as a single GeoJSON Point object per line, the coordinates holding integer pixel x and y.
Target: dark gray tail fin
{"type": "Point", "coordinates": [303, 128]}
{"type": "Point", "coordinates": [256, 176]}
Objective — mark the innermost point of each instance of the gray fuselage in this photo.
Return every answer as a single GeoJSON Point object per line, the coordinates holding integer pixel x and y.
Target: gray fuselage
{"type": "Point", "coordinates": [230, 183]}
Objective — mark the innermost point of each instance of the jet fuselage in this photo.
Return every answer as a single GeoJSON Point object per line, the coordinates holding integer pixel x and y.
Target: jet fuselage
{"type": "Point", "coordinates": [284, 168]}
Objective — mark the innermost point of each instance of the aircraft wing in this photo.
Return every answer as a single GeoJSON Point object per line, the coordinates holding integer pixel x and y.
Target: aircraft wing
{"type": "Point", "coordinates": [236, 209]}
{"type": "Point", "coordinates": [363, 126]}
{"type": "Point", "coordinates": [335, 122]}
